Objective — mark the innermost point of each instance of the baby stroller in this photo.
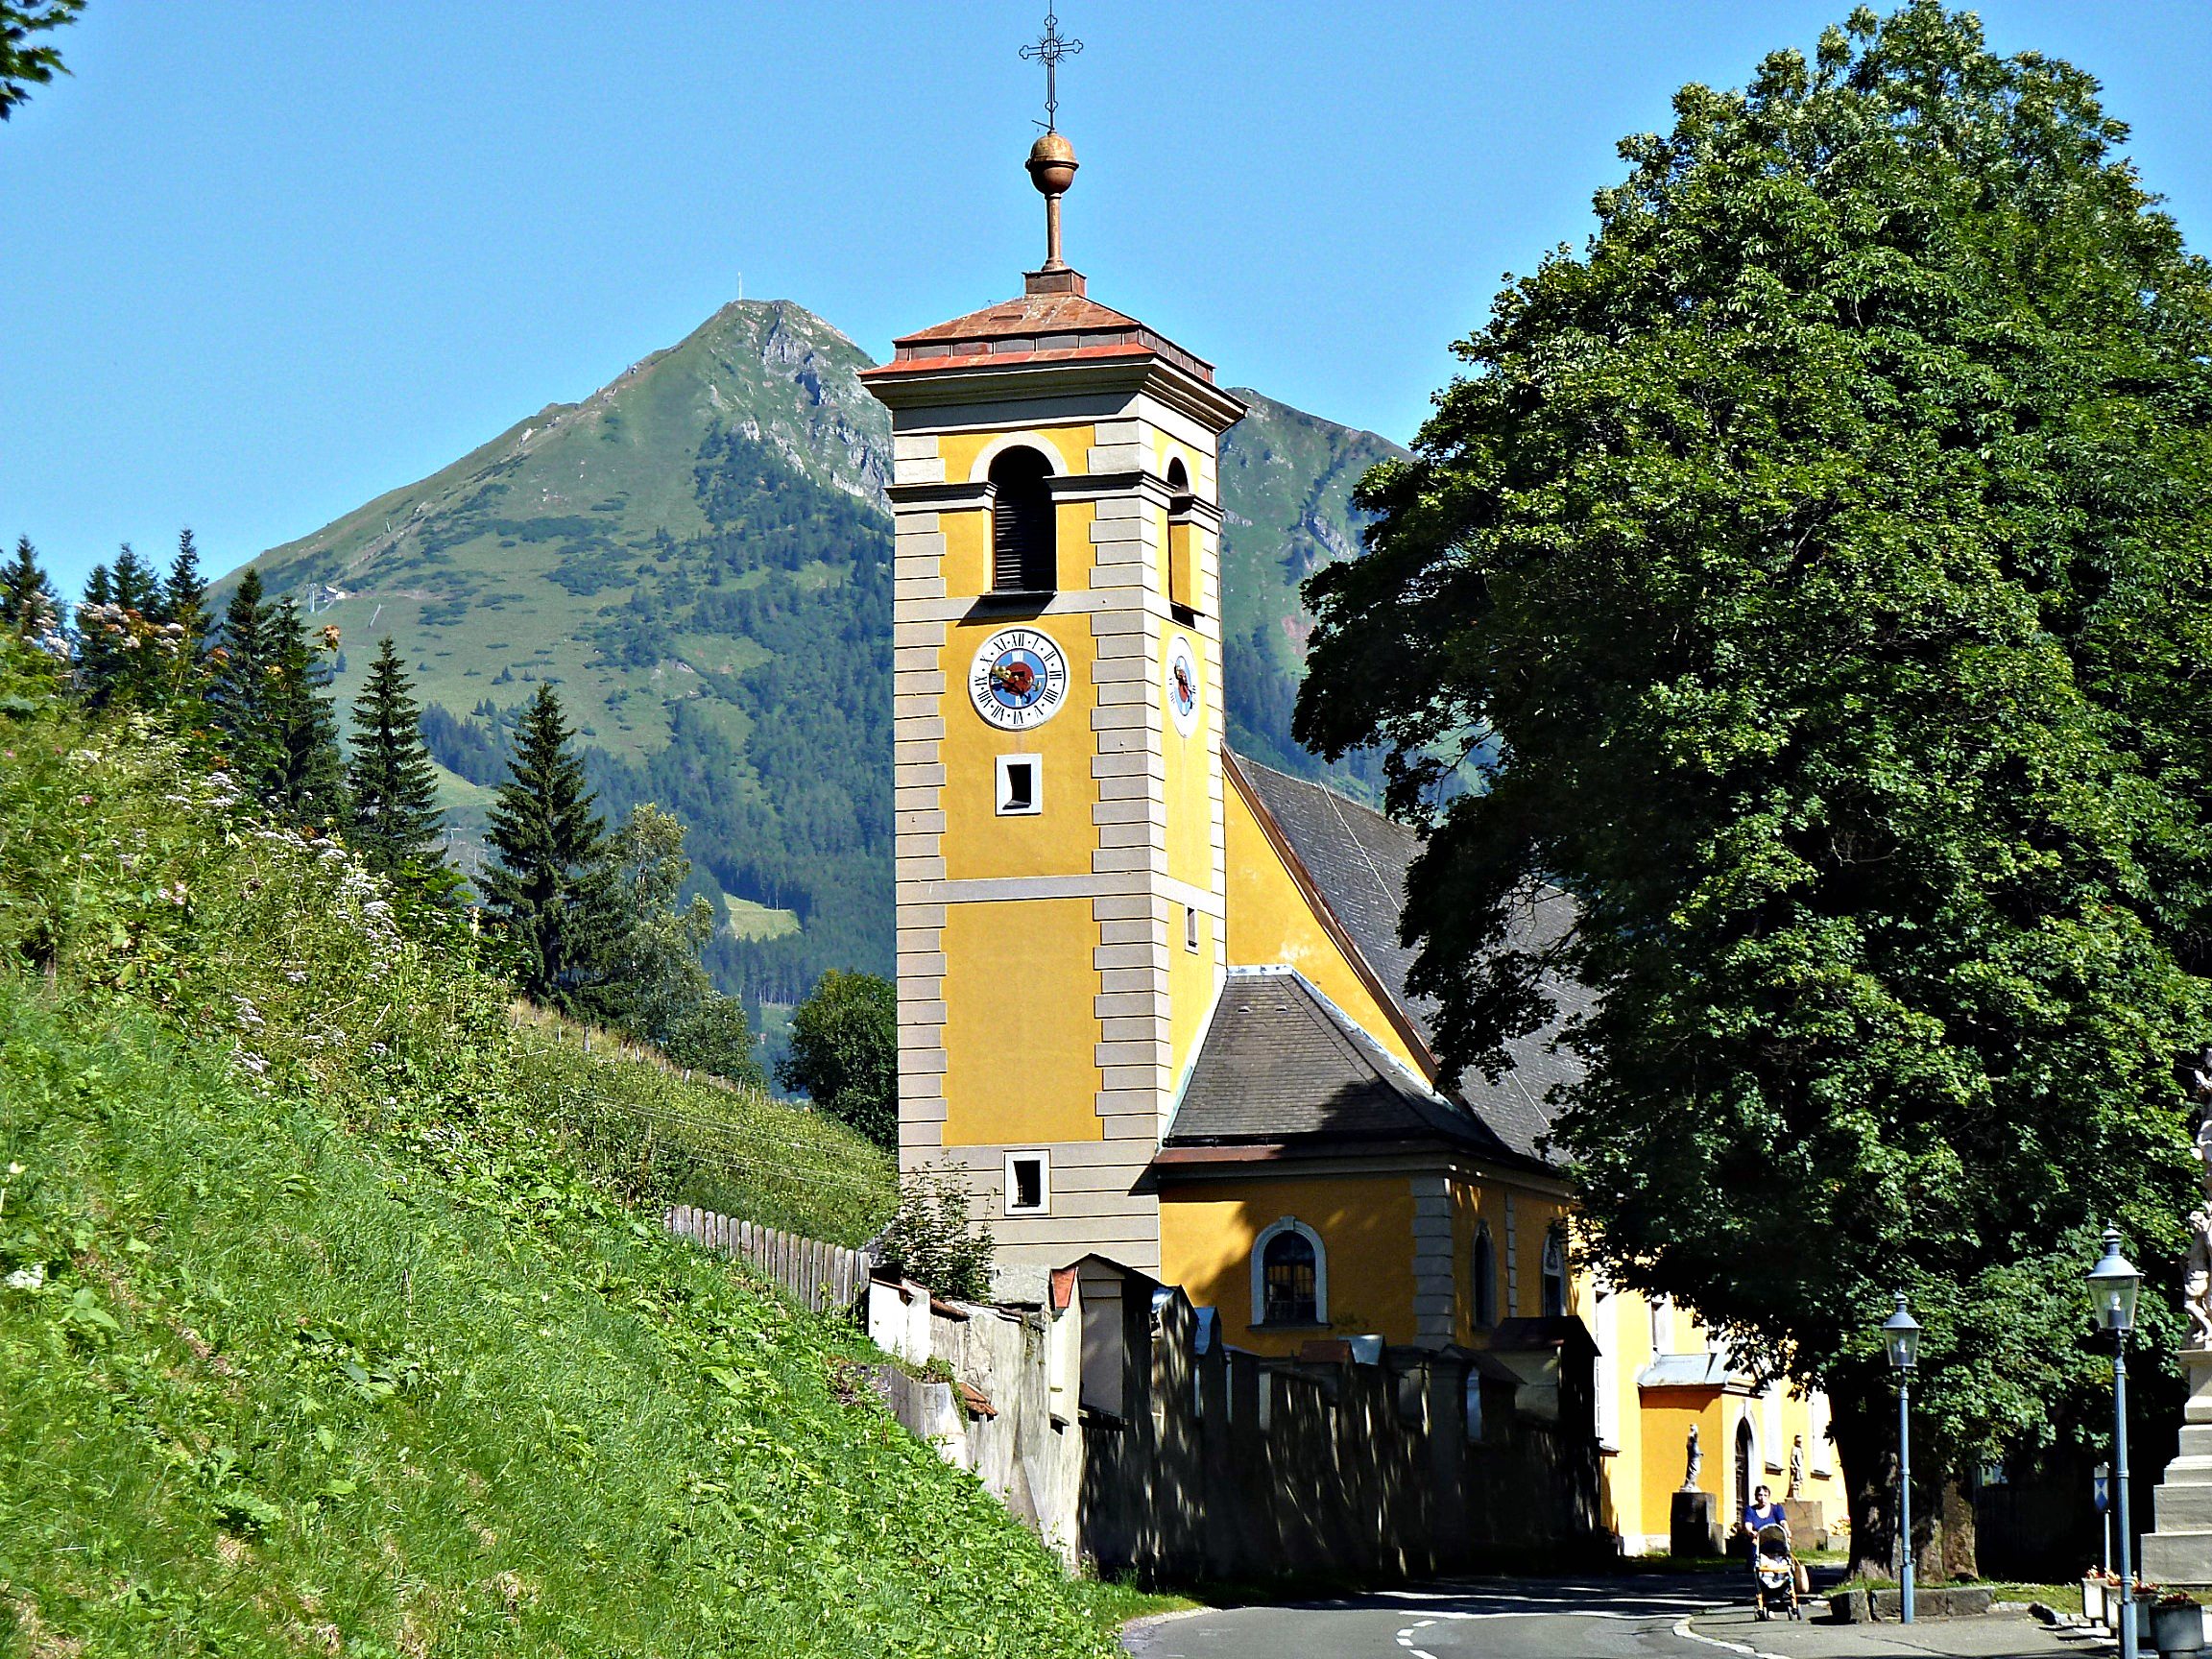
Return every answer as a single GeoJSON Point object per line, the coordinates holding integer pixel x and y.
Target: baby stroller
{"type": "Point", "coordinates": [1774, 1574]}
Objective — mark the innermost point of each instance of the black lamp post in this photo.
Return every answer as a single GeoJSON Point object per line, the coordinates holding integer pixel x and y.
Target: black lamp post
{"type": "Point", "coordinates": [1901, 1335]}
{"type": "Point", "coordinates": [2112, 1286]}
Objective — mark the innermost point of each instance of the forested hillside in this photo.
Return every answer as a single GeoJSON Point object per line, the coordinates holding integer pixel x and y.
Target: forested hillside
{"type": "Point", "coordinates": [699, 555]}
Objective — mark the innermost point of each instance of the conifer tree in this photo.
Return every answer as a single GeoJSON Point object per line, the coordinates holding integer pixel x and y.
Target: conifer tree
{"type": "Point", "coordinates": [238, 690]}
{"type": "Point", "coordinates": [304, 780]}
{"type": "Point", "coordinates": [96, 648]}
{"type": "Point", "coordinates": [184, 597]}
{"type": "Point", "coordinates": [122, 661]}
{"type": "Point", "coordinates": [394, 783]}
{"type": "Point", "coordinates": [551, 883]}
{"type": "Point", "coordinates": [29, 606]}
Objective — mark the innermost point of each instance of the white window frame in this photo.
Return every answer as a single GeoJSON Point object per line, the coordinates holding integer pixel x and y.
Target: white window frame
{"type": "Point", "coordinates": [1044, 1161]}
{"type": "Point", "coordinates": [1001, 790]}
{"type": "Point", "coordinates": [1268, 1235]}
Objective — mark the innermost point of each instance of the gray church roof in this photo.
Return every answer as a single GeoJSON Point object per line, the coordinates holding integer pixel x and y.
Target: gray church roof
{"type": "Point", "coordinates": [1280, 1063]}
{"type": "Point", "coordinates": [1357, 860]}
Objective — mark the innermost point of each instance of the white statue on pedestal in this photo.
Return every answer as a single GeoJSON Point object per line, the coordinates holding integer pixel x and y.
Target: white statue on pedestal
{"type": "Point", "coordinates": [1696, 1461]}
{"type": "Point", "coordinates": [2197, 1282]}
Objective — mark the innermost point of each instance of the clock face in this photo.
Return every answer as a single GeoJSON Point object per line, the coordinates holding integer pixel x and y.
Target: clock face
{"type": "Point", "coordinates": [1182, 685]}
{"type": "Point", "coordinates": [1019, 681]}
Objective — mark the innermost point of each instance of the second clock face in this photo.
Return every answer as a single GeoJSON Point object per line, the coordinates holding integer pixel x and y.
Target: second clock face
{"type": "Point", "coordinates": [1019, 680]}
{"type": "Point", "coordinates": [1182, 686]}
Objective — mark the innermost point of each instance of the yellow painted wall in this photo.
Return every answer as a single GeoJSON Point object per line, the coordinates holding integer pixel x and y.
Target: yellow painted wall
{"type": "Point", "coordinates": [1270, 922]}
{"type": "Point", "coordinates": [1191, 985]}
{"type": "Point", "coordinates": [1059, 840]}
{"type": "Point", "coordinates": [1366, 1227]}
{"type": "Point", "coordinates": [1073, 440]}
{"type": "Point", "coordinates": [1189, 772]}
{"type": "Point", "coordinates": [1020, 1039]}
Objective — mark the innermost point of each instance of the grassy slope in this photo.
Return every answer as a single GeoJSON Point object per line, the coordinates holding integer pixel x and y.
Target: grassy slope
{"type": "Point", "coordinates": [330, 1325]}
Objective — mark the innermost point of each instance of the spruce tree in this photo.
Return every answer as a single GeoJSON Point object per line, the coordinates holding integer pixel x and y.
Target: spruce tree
{"type": "Point", "coordinates": [238, 688]}
{"type": "Point", "coordinates": [97, 650]}
{"type": "Point", "coordinates": [304, 780]}
{"type": "Point", "coordinates": [551, 882]}
{"type": "Point", "coordinates": [395, 786]}
{"type": "Point", "coordinates": [29, 606]}
{"type": "Point", "coordinates": [184, 597]}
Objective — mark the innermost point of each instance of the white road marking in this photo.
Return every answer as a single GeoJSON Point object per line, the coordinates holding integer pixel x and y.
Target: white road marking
{"type": "Point", "coordinates": [1683, 1630]}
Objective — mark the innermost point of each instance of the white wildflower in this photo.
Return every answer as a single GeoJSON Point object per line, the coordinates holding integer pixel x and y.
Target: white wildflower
{"type": "Point", "coordinates": [252, 1063]}
{"type": "Point", "coordinates": [29, 1277]}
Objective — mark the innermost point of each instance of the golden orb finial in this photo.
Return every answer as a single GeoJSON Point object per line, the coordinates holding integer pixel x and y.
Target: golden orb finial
{"type": "Point", "coordinates": [1053, 168]}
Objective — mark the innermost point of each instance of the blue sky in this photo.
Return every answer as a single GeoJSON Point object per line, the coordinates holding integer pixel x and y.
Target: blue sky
{"type": "Point", "coordinates": [267, 258]}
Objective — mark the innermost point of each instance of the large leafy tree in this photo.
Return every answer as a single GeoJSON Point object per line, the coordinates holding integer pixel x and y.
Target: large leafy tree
{"type": "Point", "coordinates": [844, 1052]}
{"type": "Point", "coordinates": [1817, 572]}
{"type": "Point", "coordinates": [551, 882]}
{"type": "Point", "coordinates": [25, 61]}
{"type": "Point", "coordinates": [392, 781]}
{"type": "Point", "coordinates": [657, 988]}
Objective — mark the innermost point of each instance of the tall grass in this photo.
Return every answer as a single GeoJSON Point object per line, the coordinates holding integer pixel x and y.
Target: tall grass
{"type": "Point", "coordinates": [335, 1316]}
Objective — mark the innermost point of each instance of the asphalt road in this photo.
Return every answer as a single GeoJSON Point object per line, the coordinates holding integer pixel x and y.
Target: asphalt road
{"type": "Point", "coordinates": [1538, 1618]}
{"type": "Point", "coordinates": [1502, 1618]}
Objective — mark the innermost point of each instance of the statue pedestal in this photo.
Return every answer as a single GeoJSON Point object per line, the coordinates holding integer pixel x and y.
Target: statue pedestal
{"type": "Point", "coordinates": [1808, 1522]}
{"type": "Point", "coordinates": [1693, 1528]}
{"type": "Point", "coordinates": [2179, 1551]}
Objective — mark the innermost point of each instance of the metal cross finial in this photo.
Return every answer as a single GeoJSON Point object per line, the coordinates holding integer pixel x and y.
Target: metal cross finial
{"type": "Point", "coordinates": [1051, 49]}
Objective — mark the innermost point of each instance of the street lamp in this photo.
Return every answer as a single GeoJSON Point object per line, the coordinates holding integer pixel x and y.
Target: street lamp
{"type": "Point", "coordinates": [1901, 1336]}
{"type": "Point", "coordinates": [2112, 1286]}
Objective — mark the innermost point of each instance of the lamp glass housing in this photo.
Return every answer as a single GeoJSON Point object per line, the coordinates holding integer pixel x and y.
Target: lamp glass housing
{"type": "Point", "coordinates": [1901, 1336]}
{"type": "Point", "coordinates": [2112, 1286]}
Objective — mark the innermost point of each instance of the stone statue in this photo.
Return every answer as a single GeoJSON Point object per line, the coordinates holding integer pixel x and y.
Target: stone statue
{"type": "Point", "coordinates": [1696, 1461]}
{"type": "Point", "coordinates": [1797, 1467]}
{"type": "Point", "coordinates": [2196, 1281]}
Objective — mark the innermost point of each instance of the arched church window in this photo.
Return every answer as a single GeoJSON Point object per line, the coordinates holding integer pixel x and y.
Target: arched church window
{"type": "Point", "coordinates": [1022, 553]}
{"type": "Point", "coordinates": [1486, 1278]}
{"type": "Point", "coordinates": [1182, 546]}
{"type": "Point", "coordinates": [1554, 1274]}
{"type": "Point", "coordinates": [1289, 1275]}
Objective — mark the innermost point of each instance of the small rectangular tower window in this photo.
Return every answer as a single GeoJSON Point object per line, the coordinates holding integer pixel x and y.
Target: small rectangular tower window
{"type": "Point", "coordinates": [1190, 926]}
{"type": "Point", "coordinates": [1028, 1183]}
{"type": "Point", "coordinates": [1020, 786]}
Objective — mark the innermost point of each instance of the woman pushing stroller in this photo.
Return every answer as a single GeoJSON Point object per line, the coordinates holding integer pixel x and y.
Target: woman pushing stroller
{"type": "Point", "coordinates": [1773, 1566]}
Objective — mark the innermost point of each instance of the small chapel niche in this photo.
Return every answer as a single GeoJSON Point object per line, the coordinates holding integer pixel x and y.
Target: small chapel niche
{"type": "Point", "coordinates": [1028, 1183]}
{"type": "Point", "coordinates": [1023, 556]}
{"type": "Point", "coordinates": [1020, 792]}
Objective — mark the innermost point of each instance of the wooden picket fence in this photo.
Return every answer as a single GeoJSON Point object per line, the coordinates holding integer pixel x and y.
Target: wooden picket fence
{"type": "Point", "coordinates": [816, 1274]}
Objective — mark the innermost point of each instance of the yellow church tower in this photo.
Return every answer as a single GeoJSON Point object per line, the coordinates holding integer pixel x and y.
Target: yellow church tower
{"type": "Point", "coordinates": [1057, 672]}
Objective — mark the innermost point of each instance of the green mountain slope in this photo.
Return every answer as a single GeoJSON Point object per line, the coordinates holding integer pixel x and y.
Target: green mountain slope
{"type": "Point", "coordinates": [699, 555]}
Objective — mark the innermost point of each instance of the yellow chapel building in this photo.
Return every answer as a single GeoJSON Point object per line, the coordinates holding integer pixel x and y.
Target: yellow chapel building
{"type": "Point", "coordinates": [1151, 998]}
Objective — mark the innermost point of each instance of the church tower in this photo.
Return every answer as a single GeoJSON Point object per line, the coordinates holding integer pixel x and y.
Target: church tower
{"type": "Point", "coordinates": [1057, 674]}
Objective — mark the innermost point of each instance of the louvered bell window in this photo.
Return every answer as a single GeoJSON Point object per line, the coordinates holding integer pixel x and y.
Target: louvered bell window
{"type": "Point", "coordinates": [1022, 555]}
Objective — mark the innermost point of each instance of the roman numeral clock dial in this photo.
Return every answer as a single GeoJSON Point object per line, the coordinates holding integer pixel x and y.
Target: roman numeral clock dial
{"type": "Point", "coordinates": [1019, 680]}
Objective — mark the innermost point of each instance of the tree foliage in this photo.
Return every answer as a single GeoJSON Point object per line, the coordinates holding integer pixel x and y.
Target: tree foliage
{"type": "Point", "coordinates": [551, 883]}
{"type": "Point", "coordinates": [844, 1052]}
{"type": "Point", "coordinates": [390, 779]}
{"type": "Point", "coordinates": [657, 988]}
{"type": "Point", "coordinates": [1817, 571]}
{"type": "Point", "coordinates": [24, 62]}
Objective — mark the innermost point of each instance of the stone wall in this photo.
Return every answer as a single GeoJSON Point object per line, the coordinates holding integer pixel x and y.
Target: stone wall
{"type": "Point", "coordinates": [1111, 1422]}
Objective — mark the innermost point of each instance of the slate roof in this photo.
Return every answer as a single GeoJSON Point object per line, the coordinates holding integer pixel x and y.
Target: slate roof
{"type": "Point", "coordinates": [1357, 860]}
{"type": "Point", "coordinates": [1281, 1064]}
{"type": "Point", "coordinates": [1034, 327]}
